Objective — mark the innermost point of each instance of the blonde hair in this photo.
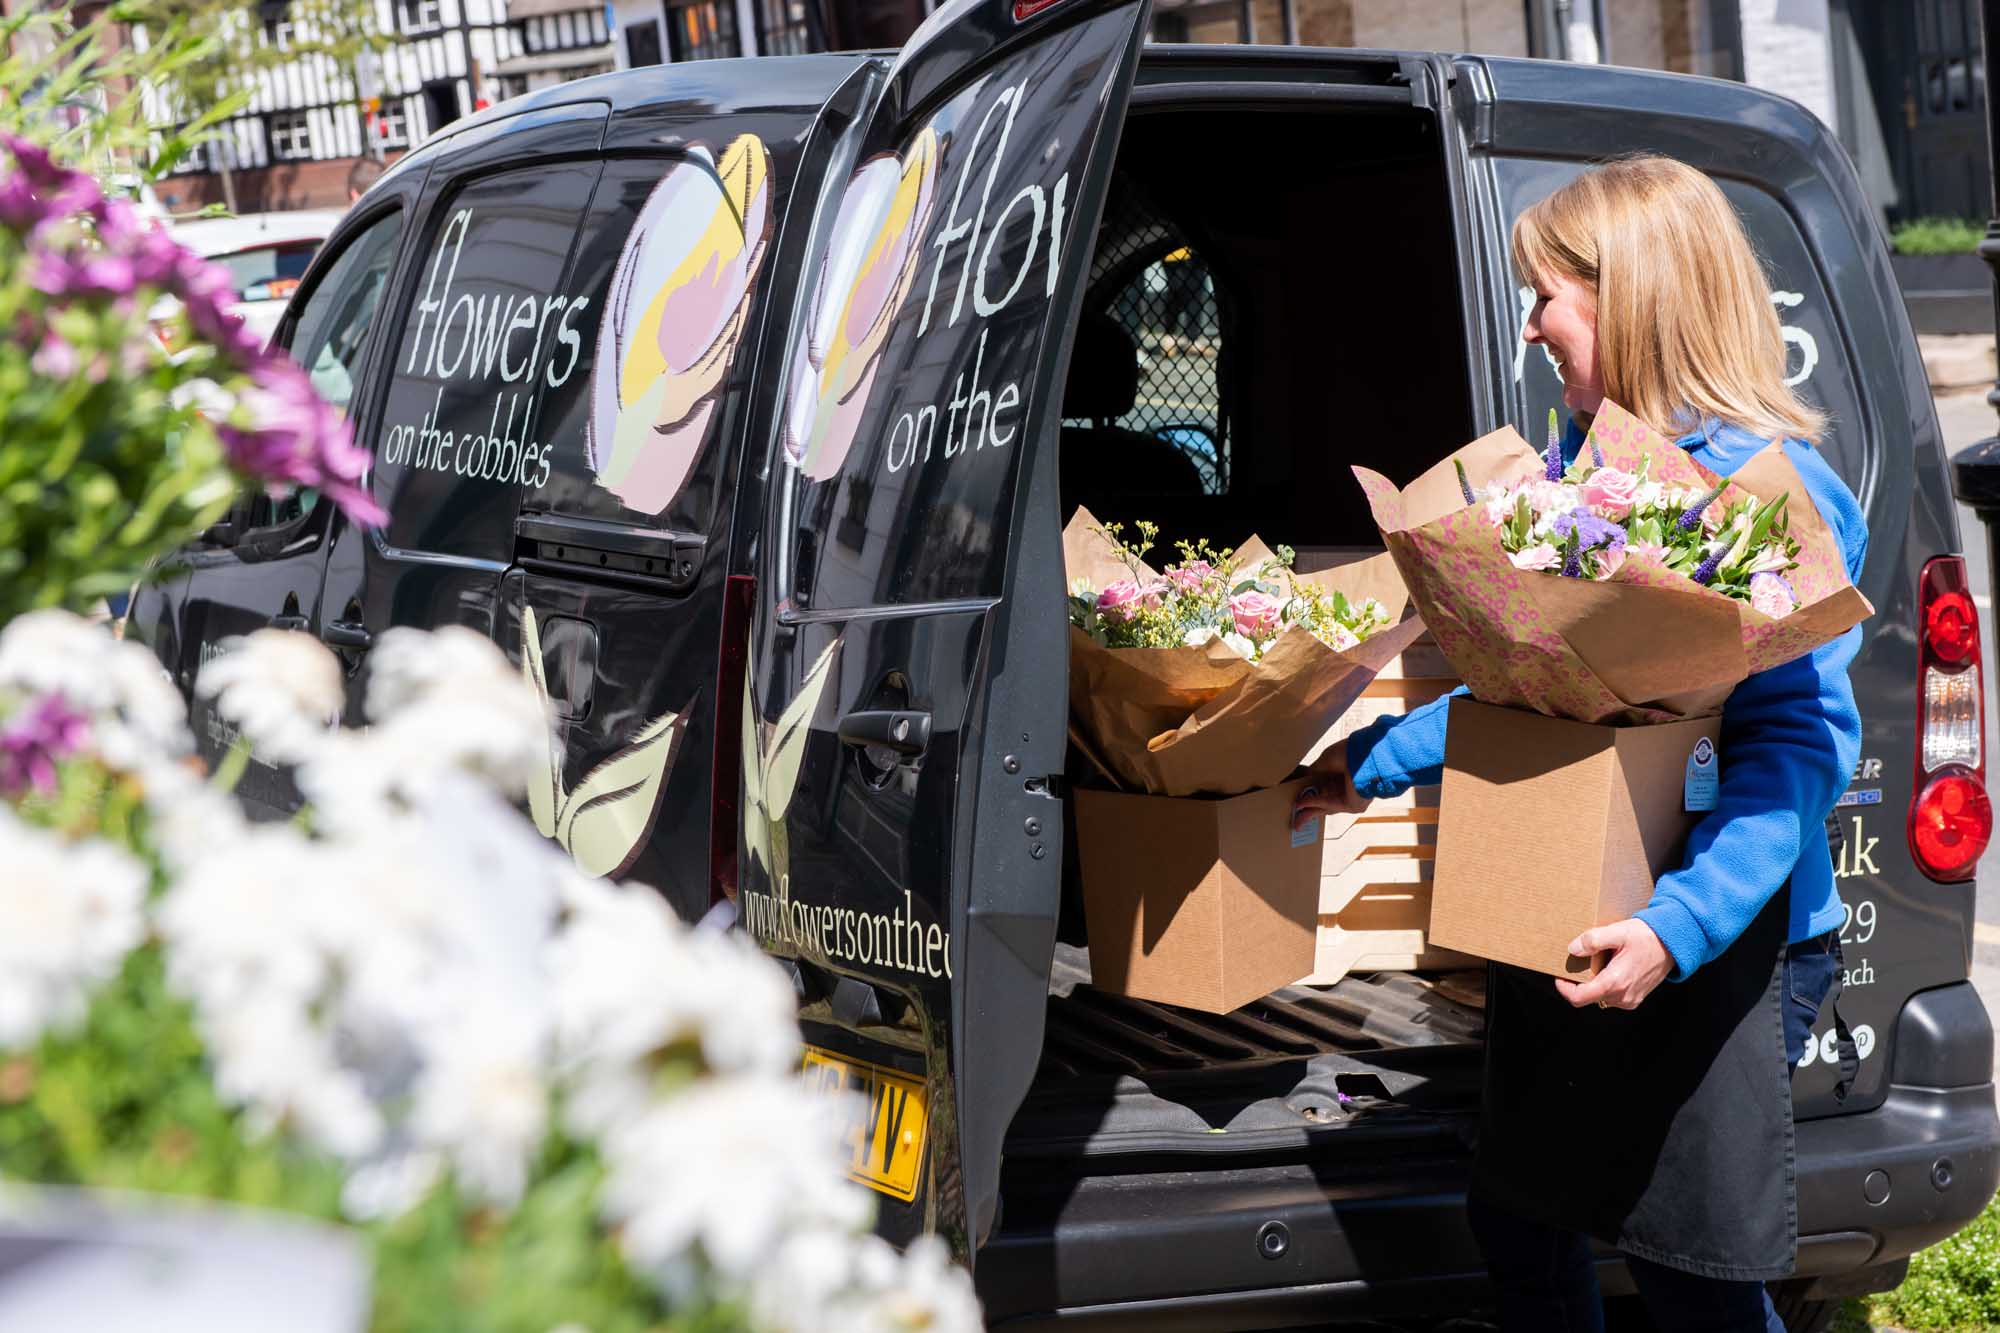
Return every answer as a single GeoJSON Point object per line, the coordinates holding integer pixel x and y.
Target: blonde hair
{"type": "Point", "coordinates": [1685, 328]}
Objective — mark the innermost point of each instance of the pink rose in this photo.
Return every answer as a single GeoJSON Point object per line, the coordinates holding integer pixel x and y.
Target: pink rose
{"type": "Point", "coordinates": [1771, 595]}
{"type": "Point", "coordinates": [1652, 551]}
{"type": "Point", "coordinates": [1539, 556]}
{"type": "Point", "coordinates": [1190, 575]}
{"type": "Point", "coordinates": [1611, 491]}
{"type": "Point", "coordinates": [1120, 601]}
{"type": "Point", "coordinates": [1257, 613]}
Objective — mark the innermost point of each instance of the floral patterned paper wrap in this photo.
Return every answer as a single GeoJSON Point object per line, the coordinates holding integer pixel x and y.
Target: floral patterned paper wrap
{"type": "Point", "coordinates": [1205, 721]}
{"type": "Point", "coordinates": [1645, 645]}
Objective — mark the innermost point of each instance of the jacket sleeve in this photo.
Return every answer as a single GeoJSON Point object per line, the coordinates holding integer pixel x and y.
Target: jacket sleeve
{"type": "Point", "coordinates": [1393, 754]}
{"type": "Point", "coordinates": [1790, 737]}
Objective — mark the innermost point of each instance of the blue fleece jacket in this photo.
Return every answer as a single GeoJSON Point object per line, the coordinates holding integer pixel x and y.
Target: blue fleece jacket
{"type": "Point", "coordinates": [1790, 736]}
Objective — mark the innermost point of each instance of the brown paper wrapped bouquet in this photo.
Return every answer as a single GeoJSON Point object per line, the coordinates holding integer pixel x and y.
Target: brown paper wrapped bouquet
{"type": "Point", "coordinates": [1215, 674]}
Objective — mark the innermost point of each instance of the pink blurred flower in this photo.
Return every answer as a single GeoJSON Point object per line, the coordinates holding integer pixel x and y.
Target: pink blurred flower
{"type": "Point", "coordinates": [1652, 551]}
{"type": "Point", "coordinates": [1257, 613]}
{"type": "Point", "coordinates": [1539, 556]}
{"type": "Point", "coordinates": [1121, 600]}
{"type": "Point", "coordinates": [1611, 489]}
{"type": "Point", "coordinates": [295, 437]}
{"type": "Point", "coordinates": [1772, 595]}
{"type": "Point", "coordinates": [1609, 558]}
{"type": "Point", "coordinates": [34, 739]}
{"type": "Point", "coordinates": [1189, 575]}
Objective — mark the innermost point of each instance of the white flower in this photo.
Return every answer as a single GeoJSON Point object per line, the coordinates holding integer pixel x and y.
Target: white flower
{"type": "Point", "coordinates": [136, 713]}
{"type": "Point", "coordinates": [1341, 638]}
{"type": "Point", "coordinates": [389, 1185]}
{"type": "Point", "coordinates": [1648, 495]}
{"type": "Point", "coordinates": [1080, 587]}
{"type": "Point", "coordinates": [482, 1098]}
{"type": "Point", "coordinates": [282, 688]}
{"type": "Point", "coordinates": [1244, 647]}
{"type": "Point", "coordinates": [1772, 561]}
{"type": "Point", "coordinates": [827, 1282]}
{"type": "Point", "coordinates": [631, 982]}
{"type": "Point", "coordinates": [69, 913]}
{"type": "Point", "coordinates": [1200, 636]}
{"type": "Point", "coordinates": [721, 1172]}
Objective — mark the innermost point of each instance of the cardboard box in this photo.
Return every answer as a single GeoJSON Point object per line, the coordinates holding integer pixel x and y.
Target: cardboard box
{"type": "Point", "coordinates": [1204, 903]}
{"type": "Point", "coordinates": [1548, 827]}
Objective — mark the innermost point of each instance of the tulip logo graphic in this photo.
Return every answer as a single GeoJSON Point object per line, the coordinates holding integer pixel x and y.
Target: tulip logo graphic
{"type": "Point", "coordinates": [869, 264]}
{"type": "Point", "coordinates": [678, 306]}
{"type": "Point", "coordinates": [604, 822]}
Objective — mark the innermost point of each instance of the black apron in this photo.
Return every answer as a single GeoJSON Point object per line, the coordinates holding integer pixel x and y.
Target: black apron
{"type": "Point", "coordinates": [1666, 1130]}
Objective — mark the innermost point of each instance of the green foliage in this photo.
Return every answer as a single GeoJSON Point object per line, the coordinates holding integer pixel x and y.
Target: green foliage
{"type": "Point", "coordinates": [51, 69]}
{"type": "Point", "coordinates": [127, 1102]}
{"type": "Point", "coordinates": [104, 465]}
{"type": "Point", "coordinates": [1954, 1285]}
{"type": "Point", "coordinates": [1937, 236]}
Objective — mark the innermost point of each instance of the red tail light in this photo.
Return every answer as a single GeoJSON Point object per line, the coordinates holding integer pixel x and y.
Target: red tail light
{"type": "Point", "coordinates": [739, 599]}
{"type": "Point", "coordinates": [1027, 9]}
{"type": "Point", "coordinates": [1951, 819]}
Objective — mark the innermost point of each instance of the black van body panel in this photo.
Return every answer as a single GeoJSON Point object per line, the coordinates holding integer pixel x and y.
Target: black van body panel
{"type": "Point", "coordinates": [954, 838]}
{"type": "Point", "coordinates": [894, 546]}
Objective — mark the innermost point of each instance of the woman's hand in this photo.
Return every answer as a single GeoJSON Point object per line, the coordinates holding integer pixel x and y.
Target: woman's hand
{"type": "Point", "coordinates": [1329, 791]}
{"type": "Point", "coordinates": [1639, 962]}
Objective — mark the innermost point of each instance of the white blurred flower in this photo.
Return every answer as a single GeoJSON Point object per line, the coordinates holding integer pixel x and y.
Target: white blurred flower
{"type": "Point", "coordinates": [482, 1099]}
{"type": "Point", "coordinates": [620, 1004]}
{"type": "Point", "coordinates": [390, 1185]}
{"type": "Point", "coordinates": [721, 1172]}
{"type": "Point", "coordinates": [69, 913]}
{"type": "Point", "coordinates": [475, 704]}
{"type": "Point", "coordinates": [282, 688]}
{"type": "Point", "coordinates": [1200, 636]}
{"type": "Point", "coordinates": [137, 716]}
{"type": "Point", "coordinates": [1242, 644]}
{"type": "Point", "coordinates": [829, 1282]}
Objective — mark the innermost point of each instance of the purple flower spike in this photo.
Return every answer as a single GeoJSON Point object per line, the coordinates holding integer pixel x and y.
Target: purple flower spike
{"type": "Point", "coordinates": [1704, 573]}
{"type": "Point", "coordinates": [1552, 457]}
{"type": "Point", "coordinates": [1692, 518]}
{"type": "Point", "coordinates": [1464, 483]}
{"type": "Point", "coordinates": [1596, 453]}
{"type": "Point", "coordinates": [34, 740]}
{"type": "Point", "coordinates": [1573, 563]}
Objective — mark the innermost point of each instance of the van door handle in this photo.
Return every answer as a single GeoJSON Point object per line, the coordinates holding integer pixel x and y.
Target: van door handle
{"type": "Point", "coordinates": [346, 634]}
{"type": "Point", "coordinates": [905, 731]}
{"type": "Point", "coordinates": [291, 620]}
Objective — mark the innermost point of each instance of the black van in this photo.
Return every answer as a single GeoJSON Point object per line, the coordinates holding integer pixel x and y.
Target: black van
{"type": "Point", "coordinates": [745, 400]}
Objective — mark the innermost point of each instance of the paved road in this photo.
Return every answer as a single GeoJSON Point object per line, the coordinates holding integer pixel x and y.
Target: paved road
{"type": "Point", "coordinates": [1966, 417]}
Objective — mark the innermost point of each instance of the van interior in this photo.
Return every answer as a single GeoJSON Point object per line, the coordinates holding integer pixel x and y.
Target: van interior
{"type": "Point", "coordinates": [1273, 298]}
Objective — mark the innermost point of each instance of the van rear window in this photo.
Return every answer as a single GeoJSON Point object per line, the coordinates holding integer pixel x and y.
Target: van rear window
{"type": "Point", "coordinates": [491, 331]}
{"type": "Point", "coordinates": [671, 258]}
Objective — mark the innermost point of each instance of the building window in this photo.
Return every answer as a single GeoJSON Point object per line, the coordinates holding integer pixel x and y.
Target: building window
{"type": "Point", "coordinates": [703, 31]}
{"type": "Point", "coordinates": [291, 136]}
{"type": "Point", "coordinates": [191, 162]}
{"type": "Point", "coordinates": [392, 124]}
{"type": "Point", "coordinates": [279, 29]}
{"type": "Point", "coordinates": [642, 44]}
{"type": "Point", "coordinates": [783, 28]}
{"type": "Point", "coordinates": [422, 15]}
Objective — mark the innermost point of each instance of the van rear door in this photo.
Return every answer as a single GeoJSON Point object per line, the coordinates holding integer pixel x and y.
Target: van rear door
{"type": "Point", "coordinates": [904, 715]}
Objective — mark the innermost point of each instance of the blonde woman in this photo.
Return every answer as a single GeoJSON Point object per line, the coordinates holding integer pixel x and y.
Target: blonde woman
{"type": "Point", "coordinates": [1650, 1107]}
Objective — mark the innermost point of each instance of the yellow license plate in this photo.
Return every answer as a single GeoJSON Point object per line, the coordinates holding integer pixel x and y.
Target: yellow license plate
{"type": "Point", "coordinates": [887, 1136]}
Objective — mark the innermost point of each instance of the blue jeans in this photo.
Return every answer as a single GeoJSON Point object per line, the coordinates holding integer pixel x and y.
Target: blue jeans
{"type": "Point", "coordinates": [1544, 1279]}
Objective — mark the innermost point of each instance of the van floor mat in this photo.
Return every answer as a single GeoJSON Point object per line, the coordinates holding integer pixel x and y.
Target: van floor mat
{"type": "Point", "coordinates": [1374, 1059]}
{"type": "Point", "coordinates": [1092, 1032]}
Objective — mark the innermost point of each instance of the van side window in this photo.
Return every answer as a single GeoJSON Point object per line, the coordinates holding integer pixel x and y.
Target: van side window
{"type": "Point", "coordinates": [332, 327]}
{"type": "Point", "coordinates": [671, 260]}
{"type": "Point", "coordinates": [490, 332]}
{"type": "Point", "coordinates": [1816, 359]}
{"type": "Point", "coordinates": [328, 337]}
{"type": "Point", "coordinates": [1157, 291]}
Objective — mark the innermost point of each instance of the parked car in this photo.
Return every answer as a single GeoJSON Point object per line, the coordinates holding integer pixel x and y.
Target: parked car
{"type": "Point", "coordinates": [745, 401]}
{"type": "Point", "coordinates": [266, 255]}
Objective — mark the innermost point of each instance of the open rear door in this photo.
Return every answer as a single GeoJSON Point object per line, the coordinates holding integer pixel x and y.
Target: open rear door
{"type": "Point", "coordinates": [905, 711]}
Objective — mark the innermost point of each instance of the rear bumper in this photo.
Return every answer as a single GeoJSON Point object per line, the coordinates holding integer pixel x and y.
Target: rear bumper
{"type": "Point", "coordinates": [1384, 1232]}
